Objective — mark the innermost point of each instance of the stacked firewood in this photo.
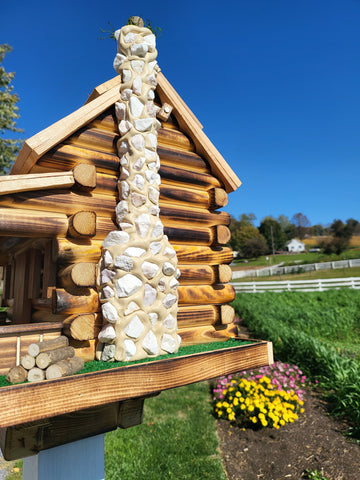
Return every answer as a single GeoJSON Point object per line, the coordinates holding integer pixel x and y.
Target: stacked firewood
{"type": "Point", "coordinates": [48, 360]}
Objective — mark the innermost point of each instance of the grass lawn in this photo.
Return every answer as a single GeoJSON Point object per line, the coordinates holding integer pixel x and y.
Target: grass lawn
{"type": "Point", "coordinates": [337, 273]}
{"type": "Point", "coordinates": [177, 440]}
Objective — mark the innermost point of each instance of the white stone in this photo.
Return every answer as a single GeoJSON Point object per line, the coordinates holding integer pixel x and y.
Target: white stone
{"type": "Point", "coordinates": [150, 41]}
{"type": "Point", "coordinates": [153, 195]}
{"type": "Point", "coordinates": [134, 328]}
{"type": "Point", "coordinates": [155, 247]}
{"type": "Point", "coordinates": [139, 163]}
{"type": "Point", "coordinates": [126, 76]}
{"type": "Point", "coordinates": [124, 262]}
{"type": "Point", "coordinates": [130, 348]}
{"type": "Point", "coordinates": [149, 153]}
{"type": "Point", "coordinates": [124, 173]}
{"type": "Point", "coordinates": [125, 189]}
{"type": "Point", "coordinates": [169, 252]}
{"type": "Point", "coordinates": [126, 94]}
{"type": "Point", "coordinates": [109, 312]}
{"type": "Point", "coordinates": [152, 165]}
{"type": "Point", "coordinates": [139, 181]}
{"type": "Point", "coordinates": [120, 110]}
{"type": "Point", "coordinates": [149, 269]}
{"type": "Point", "coordinates": [123, 160]}
{"type": "Point", "coordinates": [121, 210]}
{"type": "Point", "coordinates": [124, 127]}
{"type": "Point", "coordinates": [168, 343]}
{"type": "Point", "coordinates": [158, 229]}
{"type": "Point", "coordinates": [128, 285]}
{"type": "Point", "coordinates": [125, 226]}
{"type": "Point", "coordinates": [142, 224]}
{"type": "Point", "coordinates": [108, 259]}
{"type": "Point", "coordinates": [139, 49]}
{"type": "Point", "coordinates": [122, 147]}
{"type": "Point", "coordinates": [153, 139]}
{"type": "Point", "coordinates": [116, 237]}
{"type": "Point", "coordinates": [151, 108]}
{"type": "Point", "coordinates": [107, 275]}
{"type": "Point", "coordinates": [149, 295]}
{"type": "Point", "coordinates": [135, 252]}
{"type": "Point", "coordinates": [169, 322]}
{"type": "Point", "coordinates": [150, 344]}
{"type": "Point", "coordinates": [179, 339]}
{"type": "Point", "coordinates": [137, 65]}
{"type": "Point", "coordinates": [108, 352]}
{"type": "Point", "coordinates": [154, 210]}
{"type": "Point", "coordinates": [108, 292]}
{"type": "Point", "coordinates": [132, 307]}
{"type": "Point", "coordinates": [137, 85]}
{"type": "Point", "coordinates": [130, 37]}
{"type": "Point", "coordinates": [143, 124]}
{"type": "Point", "coordinates": [107, 334]}
{"type": "Point", "coordinates": [152, 65]}
{"type": "Point", "coordinates": [178, 273]}
{"type": "Point", "coordinates": [162, 284]}
{"type": "Point", "coordinates": [138, 141]}
{"type": "Point", "coordinates": [151, 95]}
{"type": "Point", "coordinates": [136, 106]}
{"type": "Point", "coordinates": [118, 60]}
{"type": "Point", "coordinates": [173, 283]}
{"type": "Point", "coordinates": [151, 80]}
{"type": "Point", "coordinates": [169, 300]}
{"type": "Point", "coordinates": [153, 318]}
{"type": "Point", "coordinates": [137, 200]}
{"type": "Point", "coordinates": [152, 177]}
{"type": "Point", "coordinates": [168, 268]}
{"type": "Point", "coordinates": [117, 34]}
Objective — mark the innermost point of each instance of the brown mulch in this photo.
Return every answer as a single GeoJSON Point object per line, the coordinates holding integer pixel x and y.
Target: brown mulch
{"type": "Point", "coordinates": [315, 442]}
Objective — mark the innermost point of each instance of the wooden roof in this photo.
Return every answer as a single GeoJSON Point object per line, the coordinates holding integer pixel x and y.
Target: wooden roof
{"type": "Point", "coordinates": [101, 99]}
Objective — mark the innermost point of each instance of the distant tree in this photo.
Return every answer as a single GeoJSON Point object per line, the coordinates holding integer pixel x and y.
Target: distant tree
{"type": "Point", "coordinates": [318, 230]}
{"type": "Point", "coordinates": [8, 115]}
{"type": "Point", "coordinates": [301, 223]}
{"type": "Point", "coordinates": [287, 227]}
{"type": "Point", "coordinates": [273, 234]}
{"type": "Point", "coordinates": [247, 218]}
{"type": "Point", "coordinates": [351, 226]}
{"type": "Point", "coordinates": [340, 236]}
{"type": "Point", "coordinates": [255, 247]}
{"type": "Point", "coordinates": [241, 230]}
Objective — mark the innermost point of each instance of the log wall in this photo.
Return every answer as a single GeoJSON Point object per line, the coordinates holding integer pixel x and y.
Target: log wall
{"type": "Point", "coordinates": [190, 196]}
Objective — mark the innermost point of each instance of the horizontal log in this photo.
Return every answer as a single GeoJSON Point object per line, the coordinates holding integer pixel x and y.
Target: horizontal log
{"type": "Point", "coordinates": [199, 315]}
{"type": "Point", "coordinates": [69, 203]}
{"type": "Point", "coordinates": [81, 274]}
{"type": "Point", "coordinates": [40, 181]}
{"type": "Point", "coordinates": [47, 345]}
{"type": "Point", "coordinates": [82, 224]}
{"type": "Point", "coordinates": [73, 250]}
{"type": "Point", "coordinates": [17, 374]}
{"type": "Point", "coordinates": [206, 294]}
{"type": "Point", "coordinates": [41, 316]}
{"type": "Point", "coordinates": [28, 362]}
{"type": "Point", "coordinates": [204, 274]}
{"type": "Point", "coordinates": [83, 327]}
{"type": "Point", "coordinates": [45, 359]}
{"type": "Point", "coordinates": [180, 176]}
{"type": "Point", "coordinates": [28, 223]}
{"type": "Point", "coordinates": [189, 160]}
{"type": "Point", "coordinates": [63, 368]}
{"type": "Point", "coordinates": [41, 304]}
{"type": "Point", "coordinates": [175, 139]}
{"type": "Point", "coordinates": [84, 349]}
{"type": "Point", "coordinates": [36, 375]}
{"type": "Point", "coordinates": [218, 198]}
{"type": "Point", "coordinates": [206, 334]}
{"type": "Point", "coordinates": [94, 138]}
{"type": "Point", "coordinates": [80, 301]}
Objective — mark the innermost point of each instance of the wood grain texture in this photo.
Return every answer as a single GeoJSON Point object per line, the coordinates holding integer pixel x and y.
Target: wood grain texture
{"type": "Point", "coordinates": [83, 327]}
{"type": "Point", "coordinates": [206, 294]}
{"type": "Point", "coordinates": [206, 334]}
{"type": "Point", "coordinates": [85, 300]}
{"type": "Point", "coordinates": [81, 274]}
{"type": "Point", "coordinates": [198, 315]}
{"type": "Point", "coordinates": [29, 223]}
{"type": "Point", "coordinates": [24, 403]}
{"type": "Point", "coordinates": [21, 183]}
{"type": "Point", "coordinates": [82, 224]}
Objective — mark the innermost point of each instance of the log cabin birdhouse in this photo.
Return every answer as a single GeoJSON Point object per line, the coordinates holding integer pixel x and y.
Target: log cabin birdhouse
{"type": "Point", "coordinates": [111, 234]}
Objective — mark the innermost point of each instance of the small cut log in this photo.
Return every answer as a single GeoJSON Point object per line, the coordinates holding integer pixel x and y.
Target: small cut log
{"type": "Point", "coordinates": [83, 327]}
{"type": "Point", "coordinates": [17, 374]}
{"type": "Point", "coordinates": [82, 224]}
{"type": "Point", "coordinates": [82, 274]}
{"type": "Point", "coordinates": [58, 342]}
{"type": "Point", "coordinates": [45, 359]}
{"type": "Point", "coordinates": [63, 368]}
{"type": "Point", "coordinates": [36, 375]}
{"type": "Point", "coordinates": [28, 362]}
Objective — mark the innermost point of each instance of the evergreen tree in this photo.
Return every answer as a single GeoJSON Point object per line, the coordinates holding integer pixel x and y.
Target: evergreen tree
{"type": "Point", "coordinates": [9, 148]}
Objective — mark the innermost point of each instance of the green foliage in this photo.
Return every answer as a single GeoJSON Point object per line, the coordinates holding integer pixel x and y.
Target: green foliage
{"type": "Point", "coordinates": [319, 331]}
{"type": "Point", "coordinates": [147, 24]}
{"type": "Point", "coordinates": [274, 235]}
{"type": "Point", "coordinates": [314, 475]}
{"type": "Point", "coordinates": [176, 441]}
{"type": "Point", "coordinates": [9, 148]}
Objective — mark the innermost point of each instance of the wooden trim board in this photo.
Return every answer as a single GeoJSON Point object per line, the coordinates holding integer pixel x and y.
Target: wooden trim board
{"type": "Point", "coordinates": [39, 400]}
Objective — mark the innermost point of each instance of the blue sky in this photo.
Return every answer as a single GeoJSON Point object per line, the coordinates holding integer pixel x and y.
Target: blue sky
{"type": "Point", "coordinates": [274, 82]}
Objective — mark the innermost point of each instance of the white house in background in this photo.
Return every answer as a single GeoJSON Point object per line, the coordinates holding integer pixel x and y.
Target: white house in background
{"type": "Point", "coordinates": [295, 245]}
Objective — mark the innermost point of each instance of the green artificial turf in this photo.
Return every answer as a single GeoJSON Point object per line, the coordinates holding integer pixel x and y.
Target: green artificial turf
{"type": "Point", "coordinates": [95, 365]}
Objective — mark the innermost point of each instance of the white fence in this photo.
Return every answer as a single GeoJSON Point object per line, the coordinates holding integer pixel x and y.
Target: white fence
{"type": "Point", "coordinates": [311, 267]}
{"type": "Point", "coordinates": [299, 285]}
